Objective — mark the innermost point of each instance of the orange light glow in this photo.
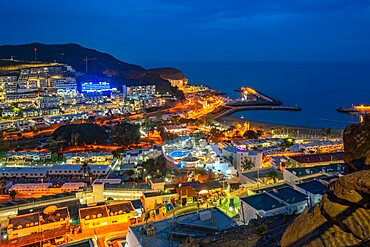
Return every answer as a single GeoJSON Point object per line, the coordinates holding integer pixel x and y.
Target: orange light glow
{"type": "Point", "coordinates": [362, 108]}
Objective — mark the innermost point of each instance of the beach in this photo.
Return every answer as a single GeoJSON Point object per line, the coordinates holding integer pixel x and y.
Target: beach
{"type": "Point", "coordinates": [280, 129]}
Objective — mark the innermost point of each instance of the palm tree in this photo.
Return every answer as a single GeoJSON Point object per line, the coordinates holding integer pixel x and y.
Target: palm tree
{"type": "Point", "coordinates": [12, 194]}
{"type": "Point", "coordinates": [74, 138]}
{"type": "Point", "coordinates": [287, 164]}
{"type": "Point", "coordinates": [273, 175]}
{"type": "Point", "coordinates": [86, 170]}
{"type": "Point", "coordinates": [247, 164]}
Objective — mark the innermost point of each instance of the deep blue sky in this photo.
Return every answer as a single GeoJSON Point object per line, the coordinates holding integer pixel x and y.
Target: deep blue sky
{"type": "Point", "coordinates": [142, 31]}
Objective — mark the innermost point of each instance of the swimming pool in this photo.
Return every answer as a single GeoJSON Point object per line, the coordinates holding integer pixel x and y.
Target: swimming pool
{"type": "Point", "coordinates": [179, 154]}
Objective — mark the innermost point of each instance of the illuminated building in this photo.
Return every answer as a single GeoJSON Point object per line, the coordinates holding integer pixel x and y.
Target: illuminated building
{"type": "Point", "coordinates": [138, 91]}
{"type": "Point", "coordinates": [39, 222]}
{"type": "Point", "coordinates": [9, 83]}
{"type": "Point", "coordinates": [93, 157]}
{"type": "Point", "coordinates": [47, 102]}
{"type": "Point", "coordinates": [64, 85]}
{"type": "Point", "coordinates": [152, 199]}
{"type": "Point", "coordinates": [95, 87]}
{"type": "Point", "coordinates": [46, 188]}
{"type": "Point", "coordinates": [110, 214]}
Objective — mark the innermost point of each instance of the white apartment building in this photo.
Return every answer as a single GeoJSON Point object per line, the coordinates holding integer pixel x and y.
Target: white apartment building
{"type": "Point", "coordinates": [9, 83]}
{"type": "Point", "coordinates": [64, 84]}
{"type": "Point", "coordinates": [237, 155]}
{"type": "Point", "coordinates": [137, 91]}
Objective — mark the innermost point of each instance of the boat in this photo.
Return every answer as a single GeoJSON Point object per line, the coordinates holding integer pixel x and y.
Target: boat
{"type": "Point", "coordinates": [347, 109]}
{"type": "Point", "coordinates": [355, 109]}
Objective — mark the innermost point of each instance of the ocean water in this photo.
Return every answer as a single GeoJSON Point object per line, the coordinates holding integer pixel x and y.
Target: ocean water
{"type": "Point", "coordinates": [318, 88]}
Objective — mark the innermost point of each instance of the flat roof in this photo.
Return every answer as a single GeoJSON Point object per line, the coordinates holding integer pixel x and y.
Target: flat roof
{"type": "Point", "coordinates": [262, 201]}
{"type": "Point", "coordinates": [260, 173]}
{"type": "Point", "coordinates": [182, 226]}
{"type": "Point", "coordinates": [304, 171]}
{"type": "Point", "coordinates": [79, 243]}
{"type": "Point", "coordinates": [316, 158]}
{"type": "Point", "coordinates": [314, 187]}
{"type": "Point", "coordinates": [288, 195]}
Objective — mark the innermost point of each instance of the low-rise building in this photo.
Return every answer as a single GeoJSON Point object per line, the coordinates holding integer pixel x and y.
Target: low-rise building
{"type": "Point", "coordinates": [295, 174]}
{"type": "Point", "coordinates": [110, 214]}
{"type": "Point", "coordinates": [93, 157]}
{"type": "Point", "coordinates": [77, 170]}
{"type": "Point", "coordinates": [316, 159]}
{"type": "Point", "coordinates": [152, 200]}
{"type": "Point", "coordinates": [55, 219]}
{"type": "Point", "coordinates": [258, 176]}
{"type": "Point", "coordinates": [295, 200]}
{"type": "Point", "coordinates": [23, 172]}
{"type": "Point", "coordinates": [28, 189]}
{"type": "Point", "coordinates": [260, 205]}
{"type": "Point", "coordinates": [314, 189]}
{"type": "Point", "coordinates": [172, 232]}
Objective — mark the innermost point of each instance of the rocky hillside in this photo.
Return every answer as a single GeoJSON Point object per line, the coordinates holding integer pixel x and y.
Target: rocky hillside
{"type": "Point", "coordinates": [102, 66]}
{"type": "Point", "coordinates": [342, 218]}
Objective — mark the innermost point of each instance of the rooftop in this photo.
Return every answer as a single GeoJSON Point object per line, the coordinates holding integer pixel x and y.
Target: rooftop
{"type": "Point", "coordinates": [79, 243]}
{"type": "Point", "coordinates": [183, 226]}
{"type": "Point", "coordinates": [314, 187]}
{"type": "Point", "coordinates": [262, 202]}
{"type": "Point", "coordinates": [304, 171]}
{"type": "Point", "coordinates": [288, 195]}
{"type": "Point", "coordinates": [260, 173]}
{"type": "Point", "coordinates": [316, 158]}
{"type": "Point", "coordinates": [137, 204]}
{"type": "Point", "coordinates": [93, 212]}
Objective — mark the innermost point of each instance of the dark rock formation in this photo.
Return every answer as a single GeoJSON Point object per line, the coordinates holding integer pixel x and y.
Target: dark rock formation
{"type": "Point", "coordinates": [342, 218]}
{"type": "Point", "coordinates": [357, 146]}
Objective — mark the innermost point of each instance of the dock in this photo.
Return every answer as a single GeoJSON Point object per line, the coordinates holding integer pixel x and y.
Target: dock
{"type": "Point", "coordinates": [228, 110]}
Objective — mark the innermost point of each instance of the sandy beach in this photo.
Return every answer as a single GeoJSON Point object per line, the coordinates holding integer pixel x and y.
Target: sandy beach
{"type": "Point", "coordinates": [294, 131]}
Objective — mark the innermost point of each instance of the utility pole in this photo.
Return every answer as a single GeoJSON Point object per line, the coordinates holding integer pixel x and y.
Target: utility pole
{"type": "Point", "coordinates": [35, 50]}
{"type": "Point", "coordinates": [86, 60]}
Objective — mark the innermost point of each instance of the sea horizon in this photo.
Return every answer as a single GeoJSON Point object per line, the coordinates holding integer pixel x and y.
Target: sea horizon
{"type": "Point", "coordinates": [319, 88]}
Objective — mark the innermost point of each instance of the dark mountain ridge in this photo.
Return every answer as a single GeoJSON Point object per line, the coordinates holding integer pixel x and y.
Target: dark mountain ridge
{"type": "Point", "coordinates": [100, 65]}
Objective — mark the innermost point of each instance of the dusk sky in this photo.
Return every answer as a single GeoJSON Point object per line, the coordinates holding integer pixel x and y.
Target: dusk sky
{"type": "Point", "coordinates": [141, 31]}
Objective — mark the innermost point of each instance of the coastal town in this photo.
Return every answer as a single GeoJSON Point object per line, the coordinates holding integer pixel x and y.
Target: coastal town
{"type": "Point", "coordinates": [87, 164]}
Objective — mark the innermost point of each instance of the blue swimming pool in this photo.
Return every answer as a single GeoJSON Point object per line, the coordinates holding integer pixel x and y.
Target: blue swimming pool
{"type": "Point", "coordinates": [179, 154]}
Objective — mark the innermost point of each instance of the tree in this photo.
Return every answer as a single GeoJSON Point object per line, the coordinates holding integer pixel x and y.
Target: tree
{"type": "Point", "coordinates": [81, 134]}
{"type": "Point", "coordinates": [74, 138]}
{"type": "Point", "coordinates": [86, 170]}
{"type": "Point", "coordinates": [12, 194]}
{"type": "Point", "coordinates": [153, 165]}
{"type": "Point", "coordinates": [287, 164]}
{"type": "Point", "coordinates": [247, 164]}
{"type": "Point", "coordinates": [250, 134]}
{"type": "Point", "coordinates": [125, 134]}
{"type": "Point", "coordinates": [273, 175]}
{"type": "Point", "coordinates": [54, 157]}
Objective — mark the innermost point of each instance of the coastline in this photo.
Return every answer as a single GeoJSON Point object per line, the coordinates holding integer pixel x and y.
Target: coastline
{"type": "Point", "coordinates": [293, 130]}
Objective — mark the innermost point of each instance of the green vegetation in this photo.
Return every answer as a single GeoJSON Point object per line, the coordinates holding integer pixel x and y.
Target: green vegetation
{"type": "Point", "coordinates": [125, 134]}
{"type": "Point", "coordinates": [247, 164]}
{"type": "Point", "coordinates": [250, 134]}
{"type": "Point", "coordinates": [273, 175]}
{"type": "Point", "coordinates": [155, 167]}
{"type": "Point", "coordinates": [12, 194]}
{"type": "Point", "coordinates": [80, 134]}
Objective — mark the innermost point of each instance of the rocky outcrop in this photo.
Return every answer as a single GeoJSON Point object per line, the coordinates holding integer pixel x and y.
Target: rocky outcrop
{"type": "Point", "coordinates": [356, 139]}
{"type": "Point", "coordinates": [342, 218]}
